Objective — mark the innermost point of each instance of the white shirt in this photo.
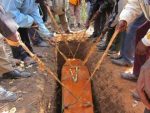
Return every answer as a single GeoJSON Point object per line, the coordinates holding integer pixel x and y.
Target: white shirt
{"type": "Point", "coordinates": [132, 10]}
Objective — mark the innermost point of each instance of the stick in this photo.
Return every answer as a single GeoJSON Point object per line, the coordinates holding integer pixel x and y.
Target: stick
{"type": "Point", "coordinates": [105, 53]}
{"type": "Point", "coordinates": [93, 47]}
{"type": "Point", "coordinates": [105, 29]}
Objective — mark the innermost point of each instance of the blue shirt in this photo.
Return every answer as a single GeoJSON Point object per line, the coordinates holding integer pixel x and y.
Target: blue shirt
{"type": "Point", "coordinates": [25, 12]}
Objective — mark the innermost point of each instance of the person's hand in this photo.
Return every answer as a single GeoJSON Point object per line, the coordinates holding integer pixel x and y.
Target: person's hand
{"type": "Point", "coordinates": [121, 26]}
{"type": "Point", "coordinates": [87, 24]}
{"type": "Point", "coordinates": [52, 41]}
{"type": "Point", "coordinates": [14, 37]}
{"type": "Point", "coordinates": [141, 49]}
{"type": "Point", "coordinates": [13, 40]}
{"type": "Point", "coordinates": [143, 84]}
{"type": "Point", "coordinates": [34, 25]}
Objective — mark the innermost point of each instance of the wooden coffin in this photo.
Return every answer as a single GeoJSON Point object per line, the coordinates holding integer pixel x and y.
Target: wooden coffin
{"type": "Point", "coordinates": [74, 78]}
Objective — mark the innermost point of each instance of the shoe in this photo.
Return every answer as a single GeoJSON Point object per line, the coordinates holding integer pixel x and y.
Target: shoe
{"type": "Point", "coordinates": [121, 62]}
{"type": "Point", "coordinates": [129, 76]}
{"type": "Point", "coordinates": [7, 96]}
{"type": "Point", "coordinates": [42, 44]}
{"type": "Point", "coordinates": [136, 96]}
{"type": "Point", "coordinates": [16, 74]}
{"type": "Point", "coordinates": [29, 61]}
{"type": "Point", "coordinates": [115, 56]}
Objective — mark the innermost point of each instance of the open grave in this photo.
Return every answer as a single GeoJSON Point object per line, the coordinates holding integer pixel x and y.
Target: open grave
{"type": "Point", "coordinates": [42, 94]}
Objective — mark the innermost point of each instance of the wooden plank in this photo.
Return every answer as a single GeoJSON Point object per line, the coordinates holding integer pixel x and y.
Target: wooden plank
{"type": "Point", "coordinates": [74, 77]}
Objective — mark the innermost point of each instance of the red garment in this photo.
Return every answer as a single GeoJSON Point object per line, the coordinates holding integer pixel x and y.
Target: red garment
{"type": "Point", "coordinates": [141, 59]}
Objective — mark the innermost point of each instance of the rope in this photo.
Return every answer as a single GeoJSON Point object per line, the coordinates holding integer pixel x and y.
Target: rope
{"type": "Point", "coordinates": [93, 47]}
{"type": "Point", "coordinates": [97, 66]}
{"type": "Point", "coordinates": [57, 27]}
{"type": "Point", "coordinates": [43, 67]}
{"type": "Point", "coordinates": [79, 44]}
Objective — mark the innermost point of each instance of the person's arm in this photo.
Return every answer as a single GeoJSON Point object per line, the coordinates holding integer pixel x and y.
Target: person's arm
{"type": "Point", "coordinates": [131, 11]}
{"type": "Point", "coordinates": [117, 9]}
{"type": "Point", "coordinates": [8, 28]}
{"type": "Point", "coordinates": [42, 30]}
{"type": "Point", "coordinates": [13, 8]}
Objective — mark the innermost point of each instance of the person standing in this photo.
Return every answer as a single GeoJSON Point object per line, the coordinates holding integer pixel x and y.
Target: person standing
{"type": "Point", "coordinates": [75, 13]}
{"type": "Point", "coordinates": [58, 7]}
{"type": "Point", "coordinates": [113, 20]}
{"type": "Point", "coordinates": [99, 10]}
{"type": "Point", "coordinates": [126, 57]}
{"type": "Point", "coordinates": [8, 28]}
{"type": "Point", "coordinates": [132, 10]}
{"type": "Point", "coordinates": [26, 14]}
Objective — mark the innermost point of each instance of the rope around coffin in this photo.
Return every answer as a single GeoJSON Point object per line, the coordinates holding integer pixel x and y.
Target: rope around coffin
{"type": "Point", "coordinates": [44, 68]}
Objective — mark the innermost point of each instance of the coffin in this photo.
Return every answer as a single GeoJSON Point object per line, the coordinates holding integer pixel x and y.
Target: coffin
{"type": "Point", "coordinates": [74, 76]}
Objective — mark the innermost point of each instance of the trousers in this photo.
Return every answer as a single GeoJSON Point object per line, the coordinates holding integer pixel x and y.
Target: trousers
{"type": "Point", "coordinates": [128, 45]}
{"type": "Point", "coordinates": [19, 52]}
{"type": "Point", "coordinates": [140, 59]}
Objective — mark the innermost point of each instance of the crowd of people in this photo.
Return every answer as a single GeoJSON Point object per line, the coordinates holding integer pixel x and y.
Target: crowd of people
{"type": "Point", "coordinates": [28, 19]}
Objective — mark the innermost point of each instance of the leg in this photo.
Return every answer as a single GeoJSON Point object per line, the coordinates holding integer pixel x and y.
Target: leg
{"type": "Point", "coordinates": [88, 7]}
{"type": "Point", "coordinates": [19, 52]}
{"type": "Point", "coordinates": [64, 22]}
{"type": "Point", "coordinates": [78, 14]}
{"type": "Point", "coordinates": [4, 60]}
{"type": "Point", "coordinates": [102, 21]}
{"type": "Point", "coordinates": [43, 10]}
{"type": "Point", "coordinates": [34, 37]}
{"type": "Point", "coordinates": [6, 68]}
{"type": "Point", "coordinates": [25, 38]}
{"type": "Point", "coordinates": [140, 59]}
{"type": "Point", "coordinates": [72, 14]}
{"type": "Point", "coordinates": [127, 52]}
{"type": "Point", "coordinates": [96, 27]}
